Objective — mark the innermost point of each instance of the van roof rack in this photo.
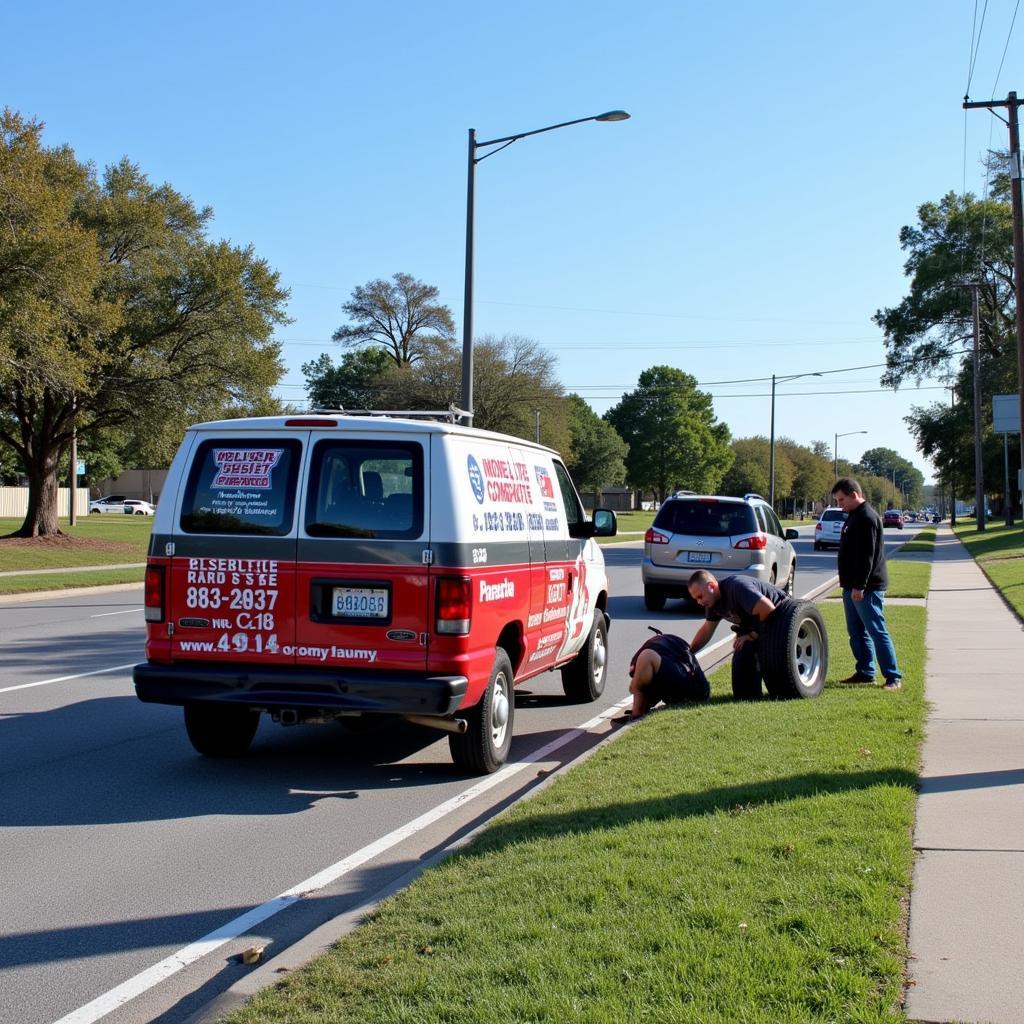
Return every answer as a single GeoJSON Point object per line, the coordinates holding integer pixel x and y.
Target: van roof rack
{"type": "Point", "coordinates": [450, 415]}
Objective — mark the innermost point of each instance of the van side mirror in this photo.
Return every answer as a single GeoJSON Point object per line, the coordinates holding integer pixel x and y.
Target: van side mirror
{"type": "Point", "coordinates": [605, 523]}
{"type": "Point", "coordinates": [792, 534]}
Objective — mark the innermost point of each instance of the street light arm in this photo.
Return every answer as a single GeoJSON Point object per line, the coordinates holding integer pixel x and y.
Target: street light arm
{"type": "Point", "coordinates": [611, 115]}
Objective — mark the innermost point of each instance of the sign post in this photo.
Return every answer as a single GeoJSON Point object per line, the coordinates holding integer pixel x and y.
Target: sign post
{"type": "Point", "coordinates": [1006, 421]}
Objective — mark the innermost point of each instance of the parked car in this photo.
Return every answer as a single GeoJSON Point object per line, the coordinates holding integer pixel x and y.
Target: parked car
{"type": "Point", "coordinates": [829, 528]}
{"type": "Point", "coordinates": [724, 535]}
{"type": "Point", "coordinates": [137, 507]}
{"type": "Point", "coordinates": [110, 503]}
{"type": "Point", "coordinates": [320, 568]}
{"type": "Point", "coordinates": [892, 517]}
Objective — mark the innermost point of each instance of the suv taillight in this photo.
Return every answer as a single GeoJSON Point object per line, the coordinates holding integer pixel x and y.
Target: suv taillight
{"type": "Point", "coordinates": [454, 604]}
{"type": "Point", "coordinates": [756, 543]}
{"type": "Point", "coordinates": [818, 527]}
{"type": "Point", "coordinates": [653, 537]}
{"type": "Point", "coordinates": [154, 601]}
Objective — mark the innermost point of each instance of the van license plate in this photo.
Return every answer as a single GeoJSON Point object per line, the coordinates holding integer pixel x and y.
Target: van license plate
{"type": "Point", "coordinates": [360, 603]}
{"type": "Point", "coordinates": [699, 556]}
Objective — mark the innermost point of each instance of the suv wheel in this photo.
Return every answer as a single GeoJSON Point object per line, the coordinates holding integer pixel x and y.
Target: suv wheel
{"type": "Point", "coordinates": [654, 598]}
{"type": "Point", "coordinates": [583, 678]}
{"type": "Point", "coordinates": [790, 587]}
{"type": "Point", "coordinates": [484, 747]}
{"type": "Point", "coordinates": [793, 651]}
{"type": "Point", "coordinates": [220, 730]}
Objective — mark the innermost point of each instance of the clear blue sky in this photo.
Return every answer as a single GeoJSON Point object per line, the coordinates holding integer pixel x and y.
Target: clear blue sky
{"type": "Point", "coordinates": [744, 222]}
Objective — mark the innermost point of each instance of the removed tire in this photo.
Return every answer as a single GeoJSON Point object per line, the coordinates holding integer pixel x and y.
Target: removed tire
{"type": "Point", "coordinates": [484, 746]}
{"type": "Point", "coordinates": [793, 651]}
{"type": "Point", "coordinates": [583, 678]}
{"type": "Point", "coordinates": [654, 598]}
{"type": "Point", "coordinates": [220, 730]}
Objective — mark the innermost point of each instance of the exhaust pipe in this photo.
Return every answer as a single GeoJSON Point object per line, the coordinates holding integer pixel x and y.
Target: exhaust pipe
{"type": "Point", "coordinates": [456, 725]}
{"type": "Point", "coordinates": [289, 716]}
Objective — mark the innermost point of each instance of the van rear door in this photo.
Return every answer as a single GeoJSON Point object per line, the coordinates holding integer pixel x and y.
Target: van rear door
{"type": "Point", "coordinates": [361, 580]}
{"type": "Point", "coordinates": [231, 592]}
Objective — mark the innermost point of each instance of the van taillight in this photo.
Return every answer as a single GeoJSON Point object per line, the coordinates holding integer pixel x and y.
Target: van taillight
{"type": "Point", "coordinates": [653, 537]}
{"type": "Point", "coordinates": [454, 604]}
{"type": "Point", "coordinates": [154, 593]}
{"type": "Point", "coordinates": [756, 543]}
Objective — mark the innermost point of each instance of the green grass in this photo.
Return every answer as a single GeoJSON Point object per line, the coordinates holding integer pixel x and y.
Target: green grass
{"type": "Point", "coordinates": [630, 522]}
{"type": "Point", "coordinates": [999, 551]}
{"type": "Point", "coordinates": [923, 542]}
{"type": "Point", "coordinates": [96, 540]}
{"type": "Point", "coordinates": [906, 579]}
{"type": "Point", "coordinates": [69, 580]}
{"type": "Point", "coordinates": [716, 864]}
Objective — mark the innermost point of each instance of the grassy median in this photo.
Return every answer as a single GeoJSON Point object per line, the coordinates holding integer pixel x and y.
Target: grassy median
{"type": "Point", "coordinates": [95, 540]}
{"type": "Point", "coordinates": [722, 863]}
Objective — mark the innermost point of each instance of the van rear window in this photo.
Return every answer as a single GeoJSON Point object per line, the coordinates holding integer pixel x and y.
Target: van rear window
{"type": "Point", "coordinates": [365, 489]}
{"type": "Point", "coordinates": [706, 518]}
{"type": "Point", "coordinates": [237, 487]}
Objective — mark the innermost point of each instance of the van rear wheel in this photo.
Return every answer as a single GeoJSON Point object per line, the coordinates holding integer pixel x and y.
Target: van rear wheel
{"type": "Point", "coordinates": [220, 730]}
{"type": "Point", "coordinates": [583, 678]}
{"type": "Point", "coordinates": [484, 746]}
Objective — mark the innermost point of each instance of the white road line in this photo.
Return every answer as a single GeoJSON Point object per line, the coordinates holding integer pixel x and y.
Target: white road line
{"type": "Point", "coordinates": [64, 679]}
{"type": "Point", "coordinates": [152, 976]}
{"type": "Point", "coordinates": [127, 611]}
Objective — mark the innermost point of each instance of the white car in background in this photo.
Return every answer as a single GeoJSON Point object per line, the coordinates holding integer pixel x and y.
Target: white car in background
{"type": "Point", "coordinates": [138, 507]}
{"type": "Point", "coordinates": [829, 528]}
{"type": "Point", "coordinates": [110, 503]}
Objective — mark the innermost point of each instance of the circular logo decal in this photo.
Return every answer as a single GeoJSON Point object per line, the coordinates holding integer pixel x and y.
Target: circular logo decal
{"type": "Point", "coordinates": [476, 479]}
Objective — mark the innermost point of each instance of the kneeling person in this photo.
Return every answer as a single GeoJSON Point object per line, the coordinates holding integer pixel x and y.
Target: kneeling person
{"type": "Point", "coordinates": [664, 669]}
{"type": "Point", "coordinates": [746, 603]}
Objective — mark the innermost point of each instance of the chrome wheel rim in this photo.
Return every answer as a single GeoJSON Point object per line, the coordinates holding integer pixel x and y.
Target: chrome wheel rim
{"type": "Point", "coordinates": [600, 655]}
{"type": "Point", "coordinates": [500, 699]}
{"type": "Point", "coordinates": [809, 654]}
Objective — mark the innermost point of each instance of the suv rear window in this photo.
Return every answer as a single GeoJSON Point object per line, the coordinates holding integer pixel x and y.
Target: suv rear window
{"type": "Point", "coordinates": [706, 518]}
{"type": "Point", "coordinates": [242, 487]}
{"type": "Point", "coordinates": [365, 489]}
{"type": "Point", "coordinates": [832, 513]}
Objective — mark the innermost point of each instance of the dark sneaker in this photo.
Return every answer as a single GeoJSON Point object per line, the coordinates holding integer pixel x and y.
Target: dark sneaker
{"type": "Point", "coordinates": [858, 677]}
{"type": "Point", "coordinates": [893, 684]}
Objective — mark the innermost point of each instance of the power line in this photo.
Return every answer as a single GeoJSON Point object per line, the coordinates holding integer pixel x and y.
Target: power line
{"type": "Point", "coordinates": [1006, 47]}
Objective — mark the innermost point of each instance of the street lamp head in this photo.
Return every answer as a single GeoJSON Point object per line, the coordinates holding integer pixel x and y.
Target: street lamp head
{"type": "Point", "coordinates": [613, 115]}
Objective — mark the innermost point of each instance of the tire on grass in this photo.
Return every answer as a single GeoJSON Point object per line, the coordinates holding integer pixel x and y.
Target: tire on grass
{"type": "Point", "coordinates": [220, 730]}
{"type": "Point", "coordinates": [584, 677]}
{"type": "Point", "coordinates": [793, 651]}
{"type": "Point", "coordinates": [484, 747]}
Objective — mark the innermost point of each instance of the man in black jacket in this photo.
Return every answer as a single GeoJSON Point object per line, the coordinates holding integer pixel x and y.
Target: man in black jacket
{"type": "Point", "coordinates": [864, 577]}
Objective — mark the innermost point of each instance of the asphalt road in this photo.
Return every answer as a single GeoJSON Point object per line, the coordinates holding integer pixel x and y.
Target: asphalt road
{"type": "Point", "coordinates": [120, 848]}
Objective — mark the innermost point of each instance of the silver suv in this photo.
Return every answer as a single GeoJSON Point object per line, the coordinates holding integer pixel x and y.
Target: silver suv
{"type": "Point", "coordinates": [724, 535]}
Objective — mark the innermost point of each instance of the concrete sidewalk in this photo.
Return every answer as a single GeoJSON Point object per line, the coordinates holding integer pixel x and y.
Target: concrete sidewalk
{"type": "Point", "coordinates": [967, 902]}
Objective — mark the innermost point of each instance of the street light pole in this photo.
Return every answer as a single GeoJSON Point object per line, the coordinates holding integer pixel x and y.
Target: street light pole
{"type": "Point", "coordinates": [467, 308]}
{"type": "Point", "coordinates": [771, 443]}
{"type": "Point", "coordinates": [835, 451]}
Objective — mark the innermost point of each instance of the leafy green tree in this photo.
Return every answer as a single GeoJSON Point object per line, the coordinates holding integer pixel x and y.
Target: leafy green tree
{"type": "Point", "coordinates": [116, 310]}
{"type": "Point", "coordinates": [812, 473]}
{"type": "Point", "coordinates": [751, 468]}
{"type": "Point", "coordinates": [907, 481]}
{"type": "Point", "coordinates": [358, 382]}
{"type": "Point", "coordinates": [597, 456]}
{"type": "Point", "coordinates": [673, 436]}
{"type": "Point", "coordinates": [401, 316]}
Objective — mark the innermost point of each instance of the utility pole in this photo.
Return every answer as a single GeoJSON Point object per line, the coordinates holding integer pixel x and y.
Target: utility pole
{"type": "Point", "coordinates": [1011, 103]}
{"type": "Point", "coordinates": [979, 483]}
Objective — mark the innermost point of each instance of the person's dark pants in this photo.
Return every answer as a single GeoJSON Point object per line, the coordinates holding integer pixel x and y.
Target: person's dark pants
{"type": "Point", "coordinates": [746, 673]}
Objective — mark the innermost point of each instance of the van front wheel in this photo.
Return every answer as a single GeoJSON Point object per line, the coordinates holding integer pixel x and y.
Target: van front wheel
{"type": "Point", "coordinates": [219, 730]}
{"type": "Point", "coordinates": [484, 746]}
{"type": "Point", "coordinates": [583, 678]}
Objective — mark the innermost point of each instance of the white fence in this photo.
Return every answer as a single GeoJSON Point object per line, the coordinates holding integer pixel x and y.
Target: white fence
{"type": "Point", "coordinates": [14, 502]}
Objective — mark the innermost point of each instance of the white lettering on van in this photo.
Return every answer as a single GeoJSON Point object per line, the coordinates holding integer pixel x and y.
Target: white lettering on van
{"type": "Point", "coordinates": [497, 591]}
{"type": "Point", "coordinates": [556, 574]}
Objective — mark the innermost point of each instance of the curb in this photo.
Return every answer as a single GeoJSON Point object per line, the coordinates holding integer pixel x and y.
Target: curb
{"type": "Point", "coordinates": [48, 595]}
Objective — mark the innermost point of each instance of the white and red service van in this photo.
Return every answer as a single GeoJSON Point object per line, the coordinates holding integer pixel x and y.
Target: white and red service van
{"type": "Point", "coordinates": [316, 567]}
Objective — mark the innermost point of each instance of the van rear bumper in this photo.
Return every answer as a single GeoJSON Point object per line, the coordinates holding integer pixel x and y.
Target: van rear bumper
{"type": "Point", "coordinates": [271, 688]}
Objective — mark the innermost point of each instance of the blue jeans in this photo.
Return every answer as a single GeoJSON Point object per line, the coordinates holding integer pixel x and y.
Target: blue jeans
{"type": "Point", "coordinates": [869, 636]}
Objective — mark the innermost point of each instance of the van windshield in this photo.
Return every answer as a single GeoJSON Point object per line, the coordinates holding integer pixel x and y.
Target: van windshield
{"type": "Point", "coordinates": [365, 489]}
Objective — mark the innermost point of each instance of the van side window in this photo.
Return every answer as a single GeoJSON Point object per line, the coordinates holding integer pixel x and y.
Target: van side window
{"type": "Point", "coordinates": [365, 489]}
{"type": "Point", "coordinates": [573, 509]}
{"type": "Point", "coordinates": [242, 487]}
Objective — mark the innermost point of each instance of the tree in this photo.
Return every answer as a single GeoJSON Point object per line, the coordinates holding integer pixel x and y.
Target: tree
{"type": "Point", "coordinates": [116, 310]}
{"type": "Point", "coordinates": [887, 464]}
{"type": "Point", "coordinates": [812, 471]}
{"type": "Point", "coordinates": [359, 382]}
{"type": "Point", "coordinates": [597, 454]}
{"type": "Point", "coordinates": [673, 437]}
{"type": "Point", "coordinates": [751, 468]}
{"type": "Point", "coordinates": [402, 316]}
